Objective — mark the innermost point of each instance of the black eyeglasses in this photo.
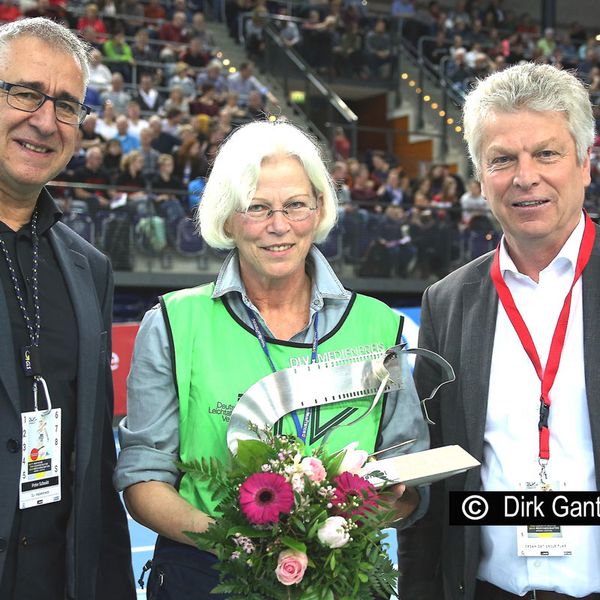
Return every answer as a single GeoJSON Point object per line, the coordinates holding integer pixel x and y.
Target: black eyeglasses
{"type": "Point", "coordinates": [29, 100]}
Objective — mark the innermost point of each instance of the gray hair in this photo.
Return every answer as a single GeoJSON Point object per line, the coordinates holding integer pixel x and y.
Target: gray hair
{"type": "Point", "coordinates": [529, 86]}
{"type": "Point", "coordinates": [234, 176]}
{"type": "Point", "coordinates": [53, 34]}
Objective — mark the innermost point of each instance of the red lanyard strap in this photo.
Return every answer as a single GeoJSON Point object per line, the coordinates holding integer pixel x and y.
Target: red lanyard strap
{"type": "Point", "coordinates": [548, 374]}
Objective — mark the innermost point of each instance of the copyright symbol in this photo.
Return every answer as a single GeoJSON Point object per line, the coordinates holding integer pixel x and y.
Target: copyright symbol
{"type": "Point", "coordinates": [475, 507]}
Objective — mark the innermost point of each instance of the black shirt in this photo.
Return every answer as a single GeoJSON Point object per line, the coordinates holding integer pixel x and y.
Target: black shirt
{"type": "Point", "coordinates": [35, 565]}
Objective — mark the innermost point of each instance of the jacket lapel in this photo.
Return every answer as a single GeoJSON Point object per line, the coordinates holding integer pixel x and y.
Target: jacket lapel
{"type": "Point", "coordinates": [80, 284]}
{"type": "Point", "coordinates": [480, 305]}
{"type": "Point", "coordinates": [591, 345]}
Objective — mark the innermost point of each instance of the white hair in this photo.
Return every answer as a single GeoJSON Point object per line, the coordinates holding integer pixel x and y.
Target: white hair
{"type": "Point", "coordinates": [234, 176]}
{"type": "Point", "coordinates": [529, 86]}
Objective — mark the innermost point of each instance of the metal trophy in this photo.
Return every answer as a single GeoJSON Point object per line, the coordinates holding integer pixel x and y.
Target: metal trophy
{"type": "Point", "coordinates": [327, 382]}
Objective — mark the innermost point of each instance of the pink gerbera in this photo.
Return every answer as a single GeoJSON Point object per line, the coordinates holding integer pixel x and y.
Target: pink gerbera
{"type": "Point", "coordinates": [348, 486]}
{"type": "Point", "coordinates": [264, 496]}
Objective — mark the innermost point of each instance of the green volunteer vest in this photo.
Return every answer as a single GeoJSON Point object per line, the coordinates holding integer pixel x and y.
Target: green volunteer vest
{"type": "Point", "coordinates": [217, 357]}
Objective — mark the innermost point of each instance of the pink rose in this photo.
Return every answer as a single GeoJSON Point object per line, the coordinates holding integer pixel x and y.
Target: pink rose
{"type": "Point", "coordinates": [291, 565]}
{"type": "Point", "coordinates": [313, 469]}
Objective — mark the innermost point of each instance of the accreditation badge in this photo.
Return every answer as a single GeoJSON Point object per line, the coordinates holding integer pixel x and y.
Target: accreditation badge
{"type": "Point", "coordinates": [543, 540]}
{"type": "Point", "coordinates": [40, 459]}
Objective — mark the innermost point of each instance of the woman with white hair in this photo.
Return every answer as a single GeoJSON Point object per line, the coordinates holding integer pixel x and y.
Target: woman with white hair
{"type": "Point", "coordinates": [276, 301]}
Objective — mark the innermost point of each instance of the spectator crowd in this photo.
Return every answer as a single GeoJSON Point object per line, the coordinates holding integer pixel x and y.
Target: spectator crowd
{"type": "Point", "coordinates": [163, 102]}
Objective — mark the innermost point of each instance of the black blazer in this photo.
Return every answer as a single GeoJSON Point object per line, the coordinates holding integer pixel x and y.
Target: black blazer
{"type": "Point", "coordinates": [99, 554]}
{"type": "Point", "coordinates": [458, 321]}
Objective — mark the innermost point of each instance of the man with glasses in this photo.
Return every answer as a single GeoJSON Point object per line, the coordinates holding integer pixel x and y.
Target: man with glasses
{"type": "Point", "coordinates": [63, 532]}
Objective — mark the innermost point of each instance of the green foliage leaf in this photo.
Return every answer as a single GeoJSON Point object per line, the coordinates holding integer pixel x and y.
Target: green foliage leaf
{"type": "Point", "coordinates": [293, 544]}
{"type": "Point", "coordinates": [251, 454]}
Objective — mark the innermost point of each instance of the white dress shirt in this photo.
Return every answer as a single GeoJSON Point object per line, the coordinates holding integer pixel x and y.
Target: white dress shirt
{"type": "Point", "coordinates": [511, 441]}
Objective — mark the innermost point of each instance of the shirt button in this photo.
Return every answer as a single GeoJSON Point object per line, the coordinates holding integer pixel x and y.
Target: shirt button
{"type": "Point", "coordinates": [24, 541]}
{"type": "Point", "coordinates": [536, 563]}
{"type": "Point", "coordinates": [12, 446]}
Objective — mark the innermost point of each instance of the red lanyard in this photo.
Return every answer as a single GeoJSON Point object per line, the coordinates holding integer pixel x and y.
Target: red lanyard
{"type": "Point", "coordinates": [548, 374]}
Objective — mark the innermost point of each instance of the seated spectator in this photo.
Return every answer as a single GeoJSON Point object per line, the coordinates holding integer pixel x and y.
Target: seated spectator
{"type": "Point", "coordinates": [472, 202]}
{"type": "Point", "coordinates": [117, 95]}
{"type": "Point", "coordinates": [380, 168]}
{"type": "Point", "coordinates": [106, 125]}
{"type": "Point", "coordinates": [184, 6]}
{"type": "Point", "coordinates": [447, 202]}
{"type": "Point", "coordinates": [199, 30]}
{"type": "Point", "coordinates": [147, 95]}
{"type": "Point", "coordinates": [134, 119]}
{"type": "Point", "coordinates": [190, 161]}
{"type": "Point", "coordinates": [89, 136]}
{"type": "Point", "coordinates": [144, 53]}
{"type": "Point", "coordinates": [254, 33]}
{"type": "Point", "coordinates": [287, 28]}
{"type": "Point", "coordinates": [196, 56]}
{"type": "Point", "coordinates": [112, 158]}
{"type": "Point", "coordinates": [243, 82]}
{"type": "Point", "coordinates": [9, 11]}
{"type": "Point", "coordinates": [436, 49]}
{"type": "Point", "coordinates": [395, 191]}
{"type": "Point", "coordinates": [117, 53]}
{"type": "Point", "coordinates": [458, 72]}
{"type": "Point", "coordinates": [318, 40]}
{"type": "Point", "coordinates": [395, 236]}
{"type": "Point", "coordinates": [133, 11]}
{"type": "Point", "coordinates": [348, 56]}
{"type": "Point", "coordinates": [213, 75]}
{"type": "Point", "coordinates": [378, 50]}
{"type": "Point", "coordinates": [174, 32]}
{"type": "Point", "coordinates": [93, 173]}
{"type": "Point", "coordinates": [176, 100]}
{"type": "Point", "coordinates": [100, 74]}
{"type": "Point", "coordinates": [162, 141]}
{"type": "Point", "coordinates": [339, 175]}
{"type": "Point", "coordinates": [256, 109]}
{"type": "Point", "coordinates": [168, 192]}
{"type": "Point", "coordinates": [232, 108]}
{"type": "Point", "coordinates": [183, 78]}
{"type": "Point", "coordinates": [341, 144]}
{"type": "Point", "coordinates": [149, 154]}
{"type": "Point", "coordinates": [91, 18]}
{"type": "Point", "coordinates": [547, 43]}
{"type": "Point", "coordinates": [206, 103]}
{"type": "Point", "coordinates": [128, 141]}
{"type": "Point", "coordinates": [154, 10]}
{"type": "Point", "coordinates": [362, 191]}
{"type": "Point", "coordinates": [131, 182]}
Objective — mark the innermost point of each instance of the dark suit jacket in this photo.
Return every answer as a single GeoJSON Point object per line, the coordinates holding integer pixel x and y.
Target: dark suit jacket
{"type": "Point", "coordinates": [99, 556]}
{"type": "Point", "coordinates": [458, 321]}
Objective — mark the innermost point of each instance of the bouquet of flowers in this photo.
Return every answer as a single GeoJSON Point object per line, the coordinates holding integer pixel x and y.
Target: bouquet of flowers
{"type": "Point", "coordinates": [296, 526]}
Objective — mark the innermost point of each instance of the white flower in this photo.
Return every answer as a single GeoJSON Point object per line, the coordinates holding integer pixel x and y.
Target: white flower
{"type": "Point", "coordinates": [333, 533]}
{"type": "Point", "coordinates": [354, 459]}
{"type": "Point", "coordinates": [297, 482]}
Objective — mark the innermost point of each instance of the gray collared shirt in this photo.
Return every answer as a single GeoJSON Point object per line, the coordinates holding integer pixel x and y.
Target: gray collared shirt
{"type": "Point", "coordinates": [149, 435]}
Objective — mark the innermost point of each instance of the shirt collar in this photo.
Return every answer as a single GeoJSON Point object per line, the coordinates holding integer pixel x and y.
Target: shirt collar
{"type": "Point", "coordinates": [48, 213]}
{"type": "Point", "coordinates": [325, 283]}
{"type": "Point", "coordinates": [567, 255]}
